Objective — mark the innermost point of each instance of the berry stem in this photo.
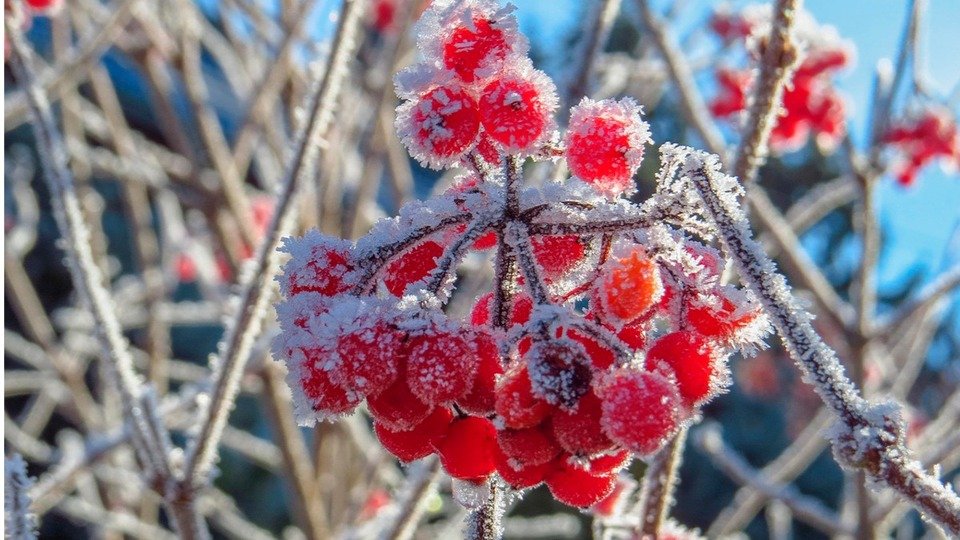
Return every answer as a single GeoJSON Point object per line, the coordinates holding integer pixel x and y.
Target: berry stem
{"type": "Point", "coordinates": [484, 523]}
{"type": "Point", "coordinates": [659, 481]}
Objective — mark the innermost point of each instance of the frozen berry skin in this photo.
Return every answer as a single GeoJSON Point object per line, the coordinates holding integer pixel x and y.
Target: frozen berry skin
{"type": "Point", "coordinates": [578, 430]}
{"type": "Point", "coordinates": [467, 451]}
{"type": "Point", "coordinates": [530, 446]}
{"type": "Point", "coordinates": [629, 288]}
{"type": "Point", "coordinates": [520, 312]}
{"type": "Point", "coordinates": [441, 366]}
{"type": "Point", "coordinates": [520, 476]}
{"type": "Point", "coordinates": [686, 357]}
{"type": "Point", "coordinates": [604, 143]}
{"type": "Point", "coordinates": [559, 371]}
{"type": "Point", "coordinates": [721, 321]}
{"type": "Point", "coordinates": [313, 367]}
{"type": "Point", "coordinates": [396, 408]}
{"type": "Point", "coordinates": [419, 441]}
{"type": "Point", "coordinates": [557, 255]}
{"type": "Point", "coordinates": [516, 109]}
{"type": "Point", "coordinates": [439, 126]}
{"type": "Point", "coordinates": [367, 357]}
{"type": "Point", "coordinates": [481, 398]}
{"type": "Point", "coordinates": [601, 357]}
{"type": "Point", "coordinates": [640, 409]}
{"type": "Point", "coordinates": [318, 264]}
{"type": "Point", "coordinates": [516, 403]}
{"type": "Point", "coordinates": [411, 267]}
{"type": "Point", "coordinates": [609, 462]}
{"type": "Point", "coordinates": [577, 487]}
{"type": "Point", "coordinates": [470, 48]}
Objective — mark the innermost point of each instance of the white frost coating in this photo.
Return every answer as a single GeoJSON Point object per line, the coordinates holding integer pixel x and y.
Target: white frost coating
{"type": "Point", "coordinates": [19, 523]}
{"type": "Point", "coordinates": [867, 436]}
{"type": "Point", "coordinates": [470, 495]}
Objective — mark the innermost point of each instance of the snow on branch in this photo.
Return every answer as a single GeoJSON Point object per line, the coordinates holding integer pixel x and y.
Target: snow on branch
{"type": "Point", "coordinates": [868, 436]}
{"type": "Point", "coordinates": [18, 522]}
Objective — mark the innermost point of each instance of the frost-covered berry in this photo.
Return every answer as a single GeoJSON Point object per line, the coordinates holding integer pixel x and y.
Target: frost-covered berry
{"type": "Point", "coordinates": [439, 126]}
{"type": "Point", "coordinates": [474, 45]}
{"type": "Point", "coordinates": [322, 394]}
{"type": "Point", "coordinates": [467, 451]}
{"type": "Point", "coordinates": [516, 403]}
{"type": "Point", "coordinates": [366, 356]}
{"type": "Point", "coordinates": [556, 255]}
{"type": "Point", "coordinates": [577, 487]}
{"type": "Point", "coordinates": [724, 317]}
{"type": "Point", "coordinates": [412, 266]}
{"type": "Point", "coordinates": [559, 371]}
{"type": "Point", "coordinates": [604, 143]}
{"type": "Point", "coordinates": [640, 410]}
{"type": "Point", "coordinates": [516, 109]}
{"type": "Point", "coordinates": [418, 442]}
{"type": "Point", "coordinates": [396, 408]}
{"type": "Point", "coordinates": [578, 430]}
{"type": "Point", "coordinates": [629, 287]}
{"type": "Point", "coordinates": [481, 397]}
{"type": "Point", "coordinates": [609, 462]}
{"type": "Point", "coordinates": [520, 312]}
{"type": "Point", "coordinates": [441, 365]}
{"type": "Point", "coordinates": [530, 446]}
{"type": "Point", "coordinates": [517, 475]}
{"type": "Point", "coordinates": [687, 358]}
{"type": "Point", "coordinates": [318, 263]}
{"type": "Point", "coordinates": [600, 356]}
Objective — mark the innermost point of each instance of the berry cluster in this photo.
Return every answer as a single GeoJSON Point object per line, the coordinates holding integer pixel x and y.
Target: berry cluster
{"type": "Point", "coordinates": [531, 386]}
{"type": "Point", "coordinates": [811, 104]}
{"type": "Point", "coordinates": [922, 138]}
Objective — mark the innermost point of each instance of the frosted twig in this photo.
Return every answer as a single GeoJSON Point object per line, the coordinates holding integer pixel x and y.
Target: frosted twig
{"type": "Point", "coordinates": [944, 285]}
{"type": "Point", "coordinates": [787, 466]}
{"type": "Point", "coordinates": [869, 436]}
{"type": "Point", "coordinates": [780, 56]}
{"type": "Point", "coordinates": [56, 79]}
{"type": "Point", "coordinates": [659, 481]}
{"type": "Point", "coordinates": [485, 523]}
{"type": "Point", "coordinates": [602, 15]}
{"type": "Point", "coordinates": [255, 297]}
{"type": "Point", "coordinates": [18, 522]}
{"type": "Point", "coordinates": [419, 487]}
{"type": "Point", "coordinates": [87, 277]}
{"type": "Point", "coordinates": [807, 509]}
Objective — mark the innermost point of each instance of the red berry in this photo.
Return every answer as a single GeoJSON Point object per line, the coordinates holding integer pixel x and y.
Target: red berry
{"type": "Point", "coordinates": [441, 366]}
{"type": "Point", "coordinates": [516, 402]}
{"type": "Point", "coordinates": [488, 150]}
{"type": "Point", "coordinates": [482, 312]}
{"type": "Point", "coordinates": [530, 446]}
{"type": "Point", "coordinates": [721, 321]}
{"type": "Point", "coordinates": [417, 442]}
{"type": "Point", "coordinates": [366, 356]}
{"type": "Point", "coordinates": [557, 255]}
{"type": "Point", "coordinates": [412, 267]}
{"type": "Point", "coordinates": [605, 143]}
{"type": "Point", "coordinates": [612, 502]}
{"type": "Point", "coordinates": [467, 451]}
{"type": "Point", "coordinates": [559, 371]}
{"type": "Point", "coordinates": [639, 410]}
{"type": "Point", "coordinates": [629, 287]}
{"type": "Point", "coordinates": [601, 357]}
{"type": "Point", "coordinates": [439, 126]}
{"type": "Point", "coordinates": [609, 462]}
{"type": "Point", "coordinates": [516, 110]}
{"type": "Point", "coordinates": [318, 264]}
{"type": "Point", "coordinates": [322, 394]}
{"type": "Point", "coordinates": [688, 358]}
{"type": "Point", "coordinates": [520, 476]}
{"type": "Point", "coordinates": [577, 487]}
{"type": "Point", "coordinates": [396, 408]}
{"type": "Point", "coordinates": [578, 430]}
{"type": "Point", "coordinates": [480, 399]}
{"type": "Point", "coordinates": [471, 47]}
